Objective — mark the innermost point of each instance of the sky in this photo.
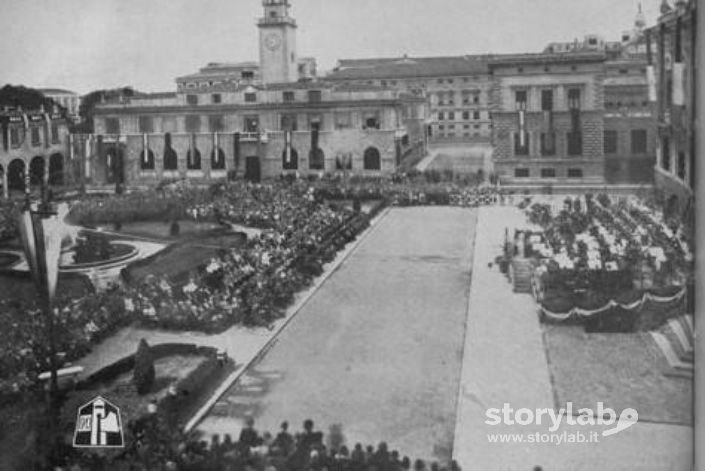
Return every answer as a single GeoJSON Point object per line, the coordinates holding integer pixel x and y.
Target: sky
{"type": "Point", "coordinates": [84, 45]}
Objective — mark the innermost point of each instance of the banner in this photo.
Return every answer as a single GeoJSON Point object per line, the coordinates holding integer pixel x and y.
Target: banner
{"type": "Point", "coordinates": [678, 76]}
{"type": "Point", "coordinates": [287, 146]}
{"type": "Point", "coordinates": [651, 80]}
{"type": "Point", "coordinates": [522, 125]}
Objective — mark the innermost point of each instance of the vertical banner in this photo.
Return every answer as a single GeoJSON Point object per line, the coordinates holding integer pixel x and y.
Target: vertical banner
{"type": "Point", "coordinates": [145, 150]}
{"type": "Point", "coordinates": [651, 81]}
{"type": "Point", "coordinates": [236, 150]}
{"type": "Point", "coordinates": [678, 77]}
{"type": "Point", "coordinates": [287, 146]}
{"type": "Point", "coordinates": [522, 129]}
{"type": "Point", "coordinates": [47, 130]}
{"type": "Point", "coordinates": [50, 250]}
{"type": "Point", "coordinates": [25, 226]}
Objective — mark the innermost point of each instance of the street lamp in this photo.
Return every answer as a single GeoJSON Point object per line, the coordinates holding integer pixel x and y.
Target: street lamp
{"type": "Point", "coordinates": [40, 233]}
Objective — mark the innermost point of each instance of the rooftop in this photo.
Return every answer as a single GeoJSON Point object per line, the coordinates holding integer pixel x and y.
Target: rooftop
{"type": "Point", "coordinates": [403, 67]}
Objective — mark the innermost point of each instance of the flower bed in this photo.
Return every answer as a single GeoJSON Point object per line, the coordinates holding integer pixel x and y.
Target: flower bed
{"type": "Point", "coordinates": [598, 258]}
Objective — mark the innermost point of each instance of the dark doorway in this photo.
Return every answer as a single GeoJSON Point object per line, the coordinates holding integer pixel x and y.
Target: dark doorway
{"type": "Point", "coordinates": [115, 165]}
{"type": "Point", "coordinates": [252, 169]}
{"type": "Point", "coordinates": [36, 171]}
{"type": "Point", "coordinates": [15, 175]}
{"type": "Point", "coordinates": [56, 169]}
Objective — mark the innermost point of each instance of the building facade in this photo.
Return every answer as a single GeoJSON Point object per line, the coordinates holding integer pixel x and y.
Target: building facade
{"type": "Point", "coordinates": [255, 120]}
{"type": "Point", "coordinates": [457, 89]}
{"type": "Point", "coordinates": [548, 117]}
{"type": "Point", "coordinates": [34, 150]}
{"type": "Point", "coordinates": [66, 98]}
{"type": "Point", "coordinates": [675, 75]}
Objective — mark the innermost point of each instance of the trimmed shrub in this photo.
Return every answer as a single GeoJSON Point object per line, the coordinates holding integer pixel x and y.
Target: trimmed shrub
{"type": "Point", "coordinates": [144, 368]}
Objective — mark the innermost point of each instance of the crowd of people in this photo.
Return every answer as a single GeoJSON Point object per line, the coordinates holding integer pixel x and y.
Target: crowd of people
{"type": "Point", "coordinates": [155, 447]}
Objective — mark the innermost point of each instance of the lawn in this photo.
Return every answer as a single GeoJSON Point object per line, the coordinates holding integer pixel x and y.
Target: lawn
{"type": "Point", "coordinates": [621, 370]}
{"type": "Point", "coordinates": [161, 229]}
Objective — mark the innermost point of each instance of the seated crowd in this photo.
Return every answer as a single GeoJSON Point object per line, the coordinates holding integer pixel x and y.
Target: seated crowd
{"type": "Point", "coordinates": [155, 448]}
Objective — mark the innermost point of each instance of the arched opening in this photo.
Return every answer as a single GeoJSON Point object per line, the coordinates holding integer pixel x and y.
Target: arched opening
{"type": "Point", "coordinates": [147, 160]}
{"type": "Point", "coordinates": [316, 159]}
{"type": "Point", "coordinates": [372, 159]}
{"type": "Point", "coordinates": [56, 169]}
{"type": "Point", "coordinates": [193, 159]}
{"type": "Point", "coordinates": [290, 160]}
{"type": "Point", "coordinates": [171, 159]}
{"type": "Point", "coordinates": [218, 159]}
{"type": "Point", "coordinates": [115, 165]}
{"type": "Point", "coordinates": [36, 171]}
{"type": "Point", "coordinates": [15, 175]}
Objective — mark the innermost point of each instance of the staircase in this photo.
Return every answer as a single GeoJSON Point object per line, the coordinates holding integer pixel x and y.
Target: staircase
{"type": "Point", "coordinates": [521, 270]}
{"type": "Point", "coordinates": [675, 339]}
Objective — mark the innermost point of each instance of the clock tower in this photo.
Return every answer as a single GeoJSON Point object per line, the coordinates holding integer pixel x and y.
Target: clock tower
{"type": "Point", "coordinates": [277, 43]}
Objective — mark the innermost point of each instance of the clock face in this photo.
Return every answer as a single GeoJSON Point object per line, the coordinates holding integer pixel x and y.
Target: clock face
{"type": "Point", "coordinates": [272, 41]}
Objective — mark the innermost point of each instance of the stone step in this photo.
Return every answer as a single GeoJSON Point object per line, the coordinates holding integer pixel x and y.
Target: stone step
{"type": "Point", "coordinates": [671, 357]}
{"type": "Point", "coordinates": [684, 339]}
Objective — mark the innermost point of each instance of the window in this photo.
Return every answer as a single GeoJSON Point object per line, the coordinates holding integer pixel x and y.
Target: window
{"type": "Point", "coordinates": [191, 99]}
{"type": "Point", "coordinates": [666, 154]}
{"type": "Point", "coordinates": [217, 159]}
{"type": "Point", "coordinates": [315, 121]}
{"type": "Point", "coordinates": [575, 143]}
{"type": "Point", "coordinates": [343, 120]}
{"type": "Point", "coordinates": [288, 122]}
{"type": "Point", "coordinates": [610, 142]}
{"type": "Point", "coordinates": [441, 127]}
{"type": "Point", "coordinates": [546, 100]}
{"type": "Point", "coordinates": [451, 98]}
{"type": "Point", "coordinates": [476, 99]}
{"type": "Point", "coordinates": [574, 98]}
{"type": "Point", "coordinates": [521, 148]}
{"type": "Point", "coordinates": [54, 134]}
{"type": "Point", "coordinates": [250, 97]}
{"type": "Point", "coordinates": [316, 159]}
{"type": "Point", "coordinates": [147, 160]}
{"type": "Point", "coordinates": [288, 96]}
{"type": "Point", "coordinates": [440, 80]}
{"type": "Point", "coordinates": [450, 81]}
{"type": "Point", "coordinates": [145, 124]}
{"type": "Point", "coordinates": [193, 123]}
{"type": "Point", "coordinates": [521, 173]}
{"type": "Point", "coordinates": [193, 159]}
{"type": "Point", "coordinates": [548, 144]}
{"type": "Point", "coordinates": [477, 126]}
{"type": "Point", "coordinates": [171, 159]}
{"type": "Point", "coordinates": [371, 159]}
{"type": "Point", "coordinates": [466, 115]}
{"type": "Point", "coordinates": [251, 123]}
{"type": "Point", "coordinates": [520, 98]}
{"type": "Point", "coordinates": [441, 116]}
{"type": "Point", "coordinates": [290, 159]}
{"type": "Point", "coordinates": [639, 141]}
{"type": "Point", "coordinates": [247, 75]}
{"type": "Point", "coordinates": [112, 126]}
{"type": "Point", "coordinates": [314, 96]}
{"type": "Point", "coordinates": [371, 121]}
{"type": "Point", "coordinates": [476, 115]}
{"type": "Point", "coordinates": [548, 173]}
{"type": "Point", "coordinates": [216, 123]}
{"type": "Point", "coordinates": [216, 98]}
{"type": "Point", "coordinates": [36, 138]}
{"type": "Point", "coordinates": [451, 116]}
{"type": "Point", "coordinates": [575, 173]}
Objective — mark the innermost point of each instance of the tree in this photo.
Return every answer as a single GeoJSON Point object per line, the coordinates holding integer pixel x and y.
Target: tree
{"type": "Point", "coordinates": [16, 96]}
{"type": "Point", "coordinates": [89, 102]}
{"type": "Point", "coordinates": [144, 368]}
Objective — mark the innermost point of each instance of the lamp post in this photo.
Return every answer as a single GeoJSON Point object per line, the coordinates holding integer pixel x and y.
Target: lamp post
{"type": "Point", "coordinates": [39, 228]}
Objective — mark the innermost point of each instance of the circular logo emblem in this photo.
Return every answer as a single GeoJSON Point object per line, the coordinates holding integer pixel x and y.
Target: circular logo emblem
{"type": "Point", "coordinates": [272, 41]}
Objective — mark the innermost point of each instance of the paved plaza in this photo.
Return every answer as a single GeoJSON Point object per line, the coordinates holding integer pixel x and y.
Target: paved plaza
{"type": "Point", "coordinates": [379, 347]}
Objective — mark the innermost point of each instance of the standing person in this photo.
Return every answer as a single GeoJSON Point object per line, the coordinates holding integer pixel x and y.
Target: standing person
{"type": "Point", "coordinates": [284, 442]}
{"type": "Point", "coordinates": [249, 438]}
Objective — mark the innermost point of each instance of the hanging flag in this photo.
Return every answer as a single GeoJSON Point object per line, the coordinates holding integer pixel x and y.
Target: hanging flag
{"type": "Point", "coordinates": [287, 146]}
{"type": "Point", "coordinates": [678, 77]}
{"type": "Point", "coordinates": [522, 125]}
{"type": "Point", "coordinates": [48, 245]}
{"type": "Point", "coordinates": [145, 149]}
{"type": "Point", "coordinates": [651, 80]}
{"type": "Point", "coordinates": [26, 230]}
